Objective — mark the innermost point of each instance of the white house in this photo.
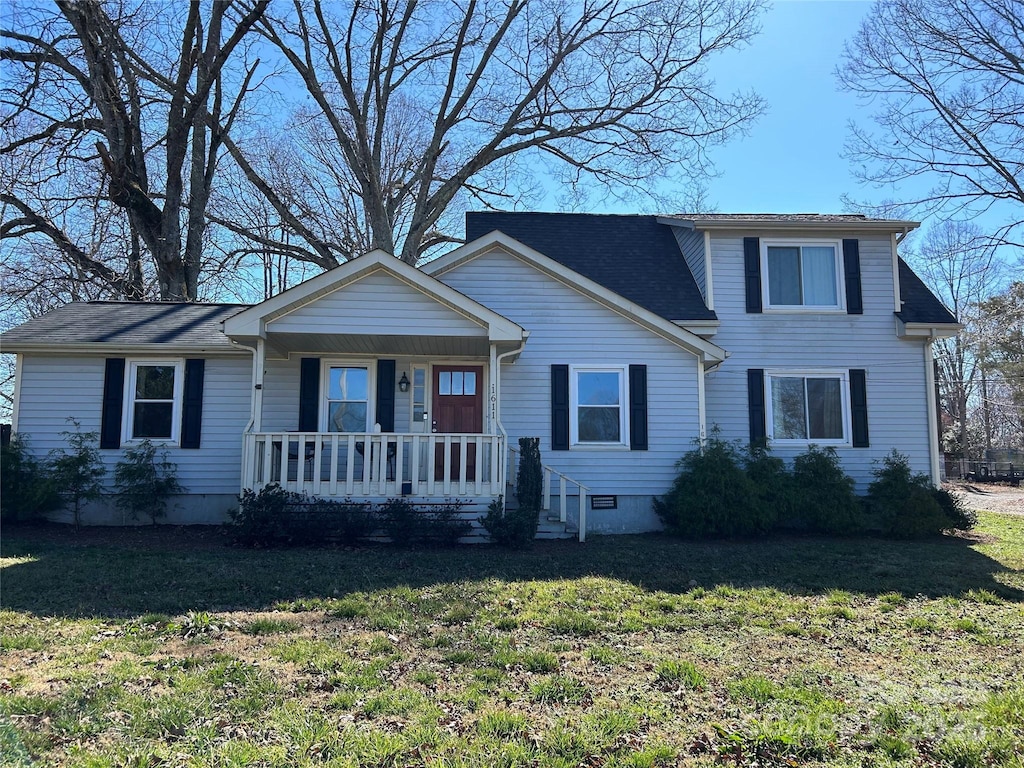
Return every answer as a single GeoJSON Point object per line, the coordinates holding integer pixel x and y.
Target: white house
{"type": "Point", "coordinates": [618, 340]}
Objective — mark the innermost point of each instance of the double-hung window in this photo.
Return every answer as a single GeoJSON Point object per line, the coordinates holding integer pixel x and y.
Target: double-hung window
{"type": "Point", "coordinates": [598, 413]}
{"type": "Point", "coordinates": [153, 401]}
{"type": "Point", "coordinates": [802, 275]}
{"type": "Point", "coordinates": [808, 407]}
{"type": "Point", "coordinates": [347, 406]}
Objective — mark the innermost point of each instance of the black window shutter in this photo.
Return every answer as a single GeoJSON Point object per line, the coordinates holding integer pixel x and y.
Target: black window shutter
{"type": "Point", "coordinates": [851, 268]}
{"type": "Point", "coordinates": [192, 407]}
{"type": "Point", "coordinates": [309, 394]}
{"type": "Point", "coordinates": [859, 407]}
{"type": "Point", "coordinates": [638, 407]}
{"type": "Point", "coordinates": [752, 272]}
{"type": "Point", "coordinates": [386, 395]}
{"type": "Point", "coordinates": [113, 403]}
{"type": "Point", "coordinates": [559, 407]}
{"type": "Point", "coordinates": [755, 403]}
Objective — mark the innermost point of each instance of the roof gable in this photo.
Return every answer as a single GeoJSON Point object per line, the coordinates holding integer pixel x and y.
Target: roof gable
{"type": "Point", "coordinates": [651, 321]}
{"type": "Point", "coordinates": [254, 321]}
{"type": "Point", "coordinates": [633, 256]}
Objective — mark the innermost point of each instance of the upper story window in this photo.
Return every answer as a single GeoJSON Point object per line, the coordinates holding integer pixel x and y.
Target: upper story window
{"type": "Point", "coordinates": [808, 407]}
{"type": "Point", "coordinates": [598, 412]}
{"type": "Point", "coordinates": [153, 403]}
{"type": "Point", "coordinates": [802, 275]}
{"type": "Point", "coordinates": [348, 398]}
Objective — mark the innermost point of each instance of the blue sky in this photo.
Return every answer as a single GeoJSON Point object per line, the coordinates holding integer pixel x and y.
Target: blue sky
{"type": "Point", "coordinates": [790, 162]}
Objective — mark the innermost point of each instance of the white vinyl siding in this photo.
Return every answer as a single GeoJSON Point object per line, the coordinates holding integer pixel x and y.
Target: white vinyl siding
{"type": "Point", "coordinates": [567, 327]}
{"type": "Point", "coordinates": [378, 304]}
{"type": "Point", "coordinates": [55, 387]}
{"type": "Point", "coordinates": [897, 391]}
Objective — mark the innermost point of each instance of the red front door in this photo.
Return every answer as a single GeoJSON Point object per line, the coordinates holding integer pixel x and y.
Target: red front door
{"type": "Point", "coordinates": [458, 406]}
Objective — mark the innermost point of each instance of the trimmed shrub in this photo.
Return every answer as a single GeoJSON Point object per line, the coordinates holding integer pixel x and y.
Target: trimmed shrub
{"type": "Point", "coordinates": [400, 521]}
{"type": "Point", "coordinates": [509, 527]}
{"type": "Point", "coordinates": [530, 481]}
{"type": "Point", "coordinates": [712, 495]}
{"type": "Point", "coordinates": [145, 482]}
{"type": "Point", "coordinates": [442, 524]}
{"type": "Point", "coordinates": [823, 495]}
{"type": "Point", "coordinates": [907, 506]}
{"type": "Point", "coordinates": [262, 518]}
{"type": "Point", "coordinates": [26, 489]}
{"type": "Point", "coordinates": [773, 486]}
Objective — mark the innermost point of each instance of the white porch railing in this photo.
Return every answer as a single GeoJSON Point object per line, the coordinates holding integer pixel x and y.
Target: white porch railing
{"type": "Point", "coordinates": [375, 465]}
{"type": "Point", "coordinates": [564, 483]}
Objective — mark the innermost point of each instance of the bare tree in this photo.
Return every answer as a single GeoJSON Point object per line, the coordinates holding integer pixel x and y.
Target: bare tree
{"type": "Point", "coordinates": [87, 87]}
{"type": "Point", "coordinates": [946, 81]}
{"type": "Point", "coordinates": [415, 106]}
{"type": "Point", "coordinates": [961, 267]}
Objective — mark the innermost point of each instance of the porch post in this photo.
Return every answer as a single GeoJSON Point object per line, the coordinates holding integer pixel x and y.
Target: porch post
{"type": "Point", "coordinates": [492, 394]}
{"type": "Point", "coordinates": [259, 361]}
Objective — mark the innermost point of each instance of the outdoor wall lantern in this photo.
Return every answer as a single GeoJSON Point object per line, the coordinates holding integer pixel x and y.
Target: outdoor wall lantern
{"type": "Point", "coordinates": [403, 383]}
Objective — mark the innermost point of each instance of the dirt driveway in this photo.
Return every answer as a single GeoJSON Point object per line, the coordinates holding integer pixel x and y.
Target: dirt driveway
{"type": "Point", "coordinates": [990, 497]}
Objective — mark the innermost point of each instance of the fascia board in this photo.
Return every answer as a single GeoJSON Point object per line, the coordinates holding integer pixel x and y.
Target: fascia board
{"type": "Point", "coordinates": [927, 330]}
{"type": "Point", "coordinates": [94, 348]}
{"type": "Point", "coordinates": [584, 285]}
{"type": "Point", "coordinates": [763, 225]}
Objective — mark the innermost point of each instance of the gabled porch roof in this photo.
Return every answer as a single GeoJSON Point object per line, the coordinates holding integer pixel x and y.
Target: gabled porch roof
{"type": "Point", "coordinates": [375, 304]}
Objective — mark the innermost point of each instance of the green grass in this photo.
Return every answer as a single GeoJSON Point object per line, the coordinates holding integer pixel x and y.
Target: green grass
{"type": "Point", "coordinates": [157, 647]}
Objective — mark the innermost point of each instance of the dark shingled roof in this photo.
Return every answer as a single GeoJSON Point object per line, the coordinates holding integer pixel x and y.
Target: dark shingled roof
{"type": "Point", "coordinates": [919, 304]}
{"type": "Point", "coordinates": [634, 256]}
{"type": "Point", "coordinates": [128, 323]}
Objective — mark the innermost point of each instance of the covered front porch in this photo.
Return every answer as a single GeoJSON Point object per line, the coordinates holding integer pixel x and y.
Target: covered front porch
{"type": "Point", "coordinates": [377, 466]}
{"type": "Point", "coordinates": [374, 381]}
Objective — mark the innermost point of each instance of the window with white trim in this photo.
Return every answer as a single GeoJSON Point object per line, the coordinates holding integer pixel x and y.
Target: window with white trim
{"type": "Point", "coordinates": [802, 275]}
{"type": "Point", "coordinates": [808, 407]}
{"type": "Point", "coordinates": [347, 398]}
{"type": "Point", "coordinates": [598, 413]}
{"type": "Point", "coordinates": [153, 394]}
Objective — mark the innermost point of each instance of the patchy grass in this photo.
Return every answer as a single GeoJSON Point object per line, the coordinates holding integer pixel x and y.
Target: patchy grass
{"type": "Point", "coordinates": [141, 648]}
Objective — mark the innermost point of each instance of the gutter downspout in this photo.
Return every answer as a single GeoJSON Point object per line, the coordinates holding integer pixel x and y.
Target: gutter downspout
{"type": "Point", "coordinates": [933, 427]}
{"type": "Point", "coordinates": [255, 409]}
{"type": "Point", "coordinates": [497, 403]}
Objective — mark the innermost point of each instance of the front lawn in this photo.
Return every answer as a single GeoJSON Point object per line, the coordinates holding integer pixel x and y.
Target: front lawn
{"type": "Point", "coordinates": [163, 647]}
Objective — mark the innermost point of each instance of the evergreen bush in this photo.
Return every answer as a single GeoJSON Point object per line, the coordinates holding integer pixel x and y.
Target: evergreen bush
{"type": "Point", "coordinates": [712, 495]}
{"type": "Point", "coordinates": [907, 506]}
{"type": "Point", "coordinates": [823, 496]}
{"type": "Point", "coordinates": [262, 517]}
{"type": "Point", "coordinates": [78, 471]}
{"type": "Point", "coordinates": [26, 488]}
{"type": "Point", "coordinates": [145, 481]}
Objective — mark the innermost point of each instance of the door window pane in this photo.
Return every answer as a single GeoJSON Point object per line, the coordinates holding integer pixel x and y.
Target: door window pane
{"type": "Point", "coordinates": [469, 383]}
{"type": "Point", "coordinates": [456, 382]}
{"type": "Point", "coordinates": [444, 382]}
